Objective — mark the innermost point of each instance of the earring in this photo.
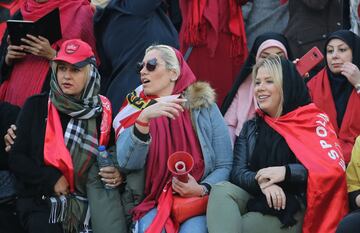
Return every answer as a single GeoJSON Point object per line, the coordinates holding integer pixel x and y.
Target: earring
{"type": "Point", "coordinates": [173, 79]}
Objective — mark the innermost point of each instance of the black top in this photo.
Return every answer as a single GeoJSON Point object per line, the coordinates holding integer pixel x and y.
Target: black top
{"type": "Point", "coordinates": [27, 154]}
{"type": "Point", "coordinates": [123, 30]}
{"type": "Point", "coordinates": [250, 62]}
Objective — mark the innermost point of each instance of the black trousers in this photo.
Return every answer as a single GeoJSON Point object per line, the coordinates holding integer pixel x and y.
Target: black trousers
{"type": "Point", "coordinates": [350, 224]}
{"type": "Point", "coordinates": [34, 216]}
{"type": "Point", "coordinates": [9, 221]}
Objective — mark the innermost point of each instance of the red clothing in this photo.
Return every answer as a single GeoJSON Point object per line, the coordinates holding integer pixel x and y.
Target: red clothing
{"type": "Point", "coordinates": [310, 135]}
{"type": "Point", "coordinates": [11, 8]}
{"type": "Point", "coordinates": [28, 75]}
{"type": "Point", "coordinates": [215, 29]}
{"type": "Point", "coordinates": [320, 91]}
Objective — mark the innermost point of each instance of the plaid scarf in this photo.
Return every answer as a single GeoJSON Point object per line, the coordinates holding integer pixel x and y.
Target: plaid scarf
{"type": "Point", "coordinates": [81, 140]}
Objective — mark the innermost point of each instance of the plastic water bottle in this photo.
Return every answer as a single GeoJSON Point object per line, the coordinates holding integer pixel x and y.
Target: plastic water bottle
{"type": "Point", "coordinates": [104, 160]}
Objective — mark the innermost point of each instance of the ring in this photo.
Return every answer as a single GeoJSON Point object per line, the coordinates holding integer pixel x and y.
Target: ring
{"type": "Point", "coordinates": [114, 181]}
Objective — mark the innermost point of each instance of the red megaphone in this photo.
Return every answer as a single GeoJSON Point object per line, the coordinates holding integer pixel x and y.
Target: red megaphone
{"type": "Point", "coordinates": [180, 164]}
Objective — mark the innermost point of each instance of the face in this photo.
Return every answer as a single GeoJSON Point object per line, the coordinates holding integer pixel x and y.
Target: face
{"type": "Point", "coordinates": [268, 51]}
{"type": "Point", "coordinates": [337, 53]}
{"type": "Point", "coordinates": [72, 80]}
{"type": "Point", "coordinates": [267, 93]}
{"type": "Point", "coordinates": [158, 81]}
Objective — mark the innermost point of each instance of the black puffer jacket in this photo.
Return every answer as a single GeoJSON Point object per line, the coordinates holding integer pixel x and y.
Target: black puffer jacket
{"type": "Point", "coordinates": [244, 177]}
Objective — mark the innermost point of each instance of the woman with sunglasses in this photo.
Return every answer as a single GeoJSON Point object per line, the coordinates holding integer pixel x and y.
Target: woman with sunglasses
{"type": "Point", "coordinates": [239, 104]}
{"type": "Point", "coordinates": [283, 158]}
{"type": "Point", "coordinates": [171, 112]}
{"type": "Point", "coordinates": [54, 155]}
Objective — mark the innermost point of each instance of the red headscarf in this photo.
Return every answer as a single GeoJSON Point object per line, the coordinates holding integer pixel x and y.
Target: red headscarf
{"type": "Point", "coordinates": [28, 75]}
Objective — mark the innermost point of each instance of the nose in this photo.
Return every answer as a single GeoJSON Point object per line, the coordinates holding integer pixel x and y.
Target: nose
{"type": "Point", "coordinates": [335, 53]}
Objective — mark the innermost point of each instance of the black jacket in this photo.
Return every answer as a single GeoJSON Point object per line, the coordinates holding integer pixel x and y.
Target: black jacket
{"type": "Point", "coordinates": [243, 176]}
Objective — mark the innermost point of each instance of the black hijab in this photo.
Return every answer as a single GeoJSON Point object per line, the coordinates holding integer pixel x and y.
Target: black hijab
{"type": "Point", "coordinates": [250, 62]}
{"type": "Point", "coordinates": [341, 88]}
{"type": "Point", "coordinates": [271, 148]}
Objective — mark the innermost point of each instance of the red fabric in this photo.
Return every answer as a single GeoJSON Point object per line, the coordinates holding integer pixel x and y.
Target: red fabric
{"type": "Point", "coordinates": [311, 137]}
{"type": "Point", "coordinates": [168, 136]}
{"type": "Point", "coordinates": [12, 7]}
{"type": "Point", "coordinates": [56, 153]}
{"type": "Point", "coordinates": [320, 91]}
{"type": "Point", "coordinates": [215, 29]}
{"type": "Point", "coordinates": [359, 10]}
{"type": "Point", "coordinates": [28, 75]}
{"type": "Point", "coordinates": [283, 2]}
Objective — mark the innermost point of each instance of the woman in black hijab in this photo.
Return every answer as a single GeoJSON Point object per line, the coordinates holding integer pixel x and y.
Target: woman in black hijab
{"type": "Point", "coordinates": [239, 105]}
{"type": "Point", "coordinates": [271, 173]}
{"type": "Point", "coordinates": [336, 88]}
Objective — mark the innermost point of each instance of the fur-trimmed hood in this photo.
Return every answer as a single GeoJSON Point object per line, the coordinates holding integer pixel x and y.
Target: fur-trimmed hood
{"type": "Point", "coordinates": [199, 95]}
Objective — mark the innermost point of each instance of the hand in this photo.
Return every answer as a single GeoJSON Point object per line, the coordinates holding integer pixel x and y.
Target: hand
{"type": "Point", "coordinates": [111, 176]}
{"type": "Point", "coordinates": [38, 46]}
{"type": "Point", "coordinates": [357, 200]}
{"type": "Point", "coordinates": [13, 53]}
{"type": "Point", "coordinates": [62, 186]}
{"type": "Point", "coordinates": [351, 72]}
{"type": "Point", "coordinates": [170, 109]}
{"type": "Point", "coordinates": [9, 137]}
{"type": "Point", "coordinates": [275, 197]}
{"type": "Point", "coordinates": [270, 175]}
{"type": "Point", "coordinates": [189, 189]}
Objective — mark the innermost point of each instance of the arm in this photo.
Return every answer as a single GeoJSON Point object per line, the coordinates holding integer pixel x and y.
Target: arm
{"type": "Point", "coordinates": [24, 161]}
{"type": "Point", "coordinates": [241, 175]}
{"type": "Point", "coordinates": [221, 146]}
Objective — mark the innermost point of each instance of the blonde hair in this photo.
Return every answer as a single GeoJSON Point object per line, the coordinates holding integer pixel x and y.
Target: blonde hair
{"type": "Point", "coordinates": [168, 54]}
{"type": "Point", "coordinates": [272, 64]}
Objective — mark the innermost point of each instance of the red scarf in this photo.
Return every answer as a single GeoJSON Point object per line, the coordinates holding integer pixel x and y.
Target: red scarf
{"type": "Point", "coordinates": [201, 25]}
{"type": "Point", "coordinates": [320, 91]}
{"type": "Point", "coordinates": [310, 135]}
{"type": "Point", "coordinates": [56, 153]}
{"type": "Point", "coordinates": [28, 75]}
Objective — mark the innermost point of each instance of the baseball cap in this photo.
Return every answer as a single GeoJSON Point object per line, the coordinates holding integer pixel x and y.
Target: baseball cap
{"type": "Point", "coordinates": [75, 52]}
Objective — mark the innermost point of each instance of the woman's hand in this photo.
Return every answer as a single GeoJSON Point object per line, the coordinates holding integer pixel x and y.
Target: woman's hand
{"type": "Point", "coordinates": [275, 197]}
{"type": "Point", "coordinates": [14, 53]}
{"type": "Point", "coordinates": [111, 176]}
{"type": "Point", "coordinates": [270, 175]}
{"type": "Point", "coordinates": [62, 186]}
{"type": "Point", "coordinates": [351, 72]}
{"type": "Point", "coordinates": [9, 137]}
{"type": "Point", "coordinates": [170, 109]}
{"type": "Point", "coordinates": [357, 200]}
{"type": "Point", "coordinates": [38, 46]}
{"type": "Point", "coordinates": [189, 189]}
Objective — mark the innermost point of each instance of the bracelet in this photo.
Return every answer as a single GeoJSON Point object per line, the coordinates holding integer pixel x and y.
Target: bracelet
{"type": "Point", "coordinates": [143, 124]}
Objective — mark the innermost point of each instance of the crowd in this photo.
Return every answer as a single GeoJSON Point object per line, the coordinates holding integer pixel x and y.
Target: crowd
{"type": "Point", "coordinates": [153, 116]}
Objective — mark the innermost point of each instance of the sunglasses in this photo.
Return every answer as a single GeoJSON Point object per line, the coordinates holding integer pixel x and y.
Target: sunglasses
{"type": "Point", "coordinates": [150, 65]}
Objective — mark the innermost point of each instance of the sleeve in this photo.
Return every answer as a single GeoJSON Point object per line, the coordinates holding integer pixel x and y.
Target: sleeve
{"type": "Point", "coordinates": [316, 4]}
{"type": "Point", "coordinates": [231, 118]}
{"type": "Point", "coordinates": [131, 151]}
{"type": "Point", "coordinates": [296, 173]}
{"type": "Point", "coordinates": [221, 146]}
{"type": "Point", "coordinates": [26, 164]}
{"type": "Point", "coordinates": [353, 169]}
{"type": "Point", "coordinates": [241, 175]}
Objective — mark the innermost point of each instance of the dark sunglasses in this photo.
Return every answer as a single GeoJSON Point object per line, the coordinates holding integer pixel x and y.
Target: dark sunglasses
{"type": "Point", "coordinates": [150, 65]}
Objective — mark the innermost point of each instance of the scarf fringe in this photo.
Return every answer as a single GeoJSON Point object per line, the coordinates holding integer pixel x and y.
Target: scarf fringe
{"type": "Point", "coordinates": [196, 34]}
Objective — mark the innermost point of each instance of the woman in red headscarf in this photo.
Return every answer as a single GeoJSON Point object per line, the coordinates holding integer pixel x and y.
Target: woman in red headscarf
{"type": "Point", "coordinates": [171, 112]}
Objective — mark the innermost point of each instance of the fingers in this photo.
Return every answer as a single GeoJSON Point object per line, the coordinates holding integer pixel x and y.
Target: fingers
{"type": "Point", "coordinates": [111, 176]}
{"type": "Point", "coordinates": [265, 183]}
{"type": "Point", "coordinates": [268, 199]}
{"type": "Point", "coordinates": [9, 138]}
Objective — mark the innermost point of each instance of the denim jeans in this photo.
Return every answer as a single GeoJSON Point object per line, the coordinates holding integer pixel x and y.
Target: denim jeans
{"type": "Point", "coordinates": [192, 225]}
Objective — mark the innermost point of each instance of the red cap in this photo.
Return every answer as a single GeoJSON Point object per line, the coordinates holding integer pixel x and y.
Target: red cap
{"type": "Point", "coordinates": [75, 52]}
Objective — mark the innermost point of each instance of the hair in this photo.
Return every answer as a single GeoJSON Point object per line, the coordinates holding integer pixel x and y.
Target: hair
{"type": "Point", "coordinates": [272, 64]}
{"type": "Point", "coordinates": [168, 54]}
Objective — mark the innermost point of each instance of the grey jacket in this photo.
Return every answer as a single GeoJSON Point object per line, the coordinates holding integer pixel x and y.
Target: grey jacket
{"type": "Point", "coordinates": [210, 129]}
{"type": "Point", "coordinates": [242, 176]}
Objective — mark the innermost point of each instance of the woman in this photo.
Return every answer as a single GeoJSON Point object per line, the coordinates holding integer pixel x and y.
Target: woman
{"type": "Point", "coordinates": [155, 123]}
{"type": "Point", "coordinates": [351, 223]}
{"type": "Point", "coordinates": [55, 150]}
{"type": "Point", "coordinates": [239, 105]}
{"type": "Point", "coordinates": [17, 82]}
{"type": "Point", "coordinates": [336, 88]}
{"type": "Point", "coordinates": [287, 150]}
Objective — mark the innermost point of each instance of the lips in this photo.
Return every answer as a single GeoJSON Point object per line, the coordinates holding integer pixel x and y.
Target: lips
{"type": "Point", "coordinates": [67, 85]}
{"type": "Point", "coordinates": [145, 80]}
